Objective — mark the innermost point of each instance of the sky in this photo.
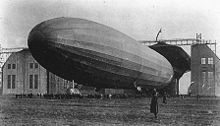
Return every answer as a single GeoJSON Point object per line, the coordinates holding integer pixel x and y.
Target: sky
{"type": "Point", "coordinates": [139, 19]}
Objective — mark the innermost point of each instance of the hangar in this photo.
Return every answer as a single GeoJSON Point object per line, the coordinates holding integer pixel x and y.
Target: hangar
{"type": "Point", "coordinates": [205, 71]}
{"type": "Point", "coordinates": [205, 66]}
{"type": "Point", "coordinates": [23, 75]}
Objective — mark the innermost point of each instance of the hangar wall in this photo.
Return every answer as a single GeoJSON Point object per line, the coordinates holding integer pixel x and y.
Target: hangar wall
{"type": "Point", "coordinates": [23, 75]}
{"type": "Point", "coordinates": [205, 71]}
{"type": "Point", "coordinates": [17, 68]}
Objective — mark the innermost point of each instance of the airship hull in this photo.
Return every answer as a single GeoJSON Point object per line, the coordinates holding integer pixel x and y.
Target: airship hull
{"type": "Point", "coordinates": [96, 55]}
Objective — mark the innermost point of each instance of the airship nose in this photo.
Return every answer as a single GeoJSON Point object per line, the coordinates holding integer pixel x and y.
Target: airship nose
{"type": "Point", "coordinates": [36, 41]}
{"type": "Point", "coordinates": [39, 47]}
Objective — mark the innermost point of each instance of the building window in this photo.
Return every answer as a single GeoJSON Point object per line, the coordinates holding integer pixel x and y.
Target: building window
{"type": "Point", "coordinates": [203, 79]}
{"type": "Point", "coordinates": [210, 60]}
{"type": "Point", "coordinates": [31, 81]}
{"type": "Point", "coordinates": [210, 79]}
{"type": "Point", "coordinates": [36, 81]}
{"type": "Point", "coordinates": [13, 81]}
{"type": "Point", "coordinates": [9, 81]}
{"type": "Point", "coordinates": [9, 66]}
{"type": "Point", "coordinates": [36, 65]}
{"type": "Point", "coordinates": [13, 66]}
{"type": "Point", "coordinates": [203, 61]}
{"type": "Point", "coordinates": [210, 74]}
{"type": "Point", "coordinates": [218, 79]}
{"type": "Point", "coordinates": [31, 65]}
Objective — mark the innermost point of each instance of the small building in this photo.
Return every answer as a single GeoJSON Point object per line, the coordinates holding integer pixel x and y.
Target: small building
{"type": "Point", "coordinates": [23, 75]}
{"type": "Point", "coordinates": [205, 71]}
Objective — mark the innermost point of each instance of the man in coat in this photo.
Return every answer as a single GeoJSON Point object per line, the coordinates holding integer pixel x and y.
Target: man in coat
{"type": "Point", "coordinates": [154, 103]}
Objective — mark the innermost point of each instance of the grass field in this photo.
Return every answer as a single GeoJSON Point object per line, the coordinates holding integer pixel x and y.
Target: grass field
{"type": "Point", "coordinates": [130, 111]}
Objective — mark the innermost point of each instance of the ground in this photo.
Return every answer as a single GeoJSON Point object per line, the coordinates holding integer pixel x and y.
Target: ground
{"type": "Point", "coordinates": [129, 111]}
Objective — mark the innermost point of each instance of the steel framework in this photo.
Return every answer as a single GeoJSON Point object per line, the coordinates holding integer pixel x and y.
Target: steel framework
{"type": "Point", "coordinates": [184, 42]}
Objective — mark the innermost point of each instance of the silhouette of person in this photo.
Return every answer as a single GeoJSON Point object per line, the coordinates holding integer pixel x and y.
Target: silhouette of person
{"type": "Point", "coordinates": [165, 97]}
{"type": "Point", "coordinates": [154, 103]}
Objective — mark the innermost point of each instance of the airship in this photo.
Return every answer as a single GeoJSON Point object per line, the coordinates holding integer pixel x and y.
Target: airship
{"type": "Point", "coordinates": [96, 55]}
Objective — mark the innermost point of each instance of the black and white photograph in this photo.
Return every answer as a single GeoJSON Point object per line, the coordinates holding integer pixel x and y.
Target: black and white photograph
{"type": "Point", "coordinates": [109, 63]}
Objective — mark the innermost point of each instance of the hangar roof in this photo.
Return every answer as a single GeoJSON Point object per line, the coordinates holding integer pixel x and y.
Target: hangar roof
{"type": "Point", "coordinates": [178, 58]}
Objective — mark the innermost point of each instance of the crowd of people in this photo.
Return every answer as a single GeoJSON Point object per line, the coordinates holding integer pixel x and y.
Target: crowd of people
{"type": "Point", "coordinates": [69, 96]}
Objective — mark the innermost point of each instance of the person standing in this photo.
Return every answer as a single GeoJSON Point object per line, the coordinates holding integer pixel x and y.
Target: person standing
{"type": "Point", "coordinates": [154, 103]}
{"type": "Point", "coordinates": [165, 97]}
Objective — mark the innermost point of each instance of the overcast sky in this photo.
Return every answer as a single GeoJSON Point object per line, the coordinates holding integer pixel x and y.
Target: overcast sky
{"type": "Point", "coordinates": [140, 19]}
